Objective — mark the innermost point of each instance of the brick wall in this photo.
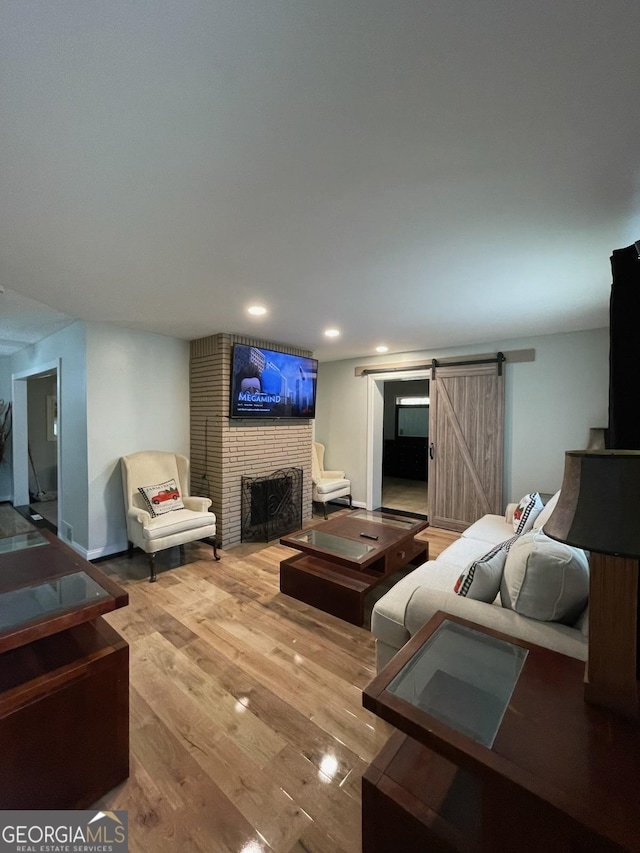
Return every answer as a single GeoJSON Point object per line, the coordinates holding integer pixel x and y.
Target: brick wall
{"type": "Point", "coordinates": [224, 450]}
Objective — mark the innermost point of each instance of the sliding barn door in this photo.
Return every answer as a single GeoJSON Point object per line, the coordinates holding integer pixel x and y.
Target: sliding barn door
{"type": "Point", "coordinates": [465, 444]}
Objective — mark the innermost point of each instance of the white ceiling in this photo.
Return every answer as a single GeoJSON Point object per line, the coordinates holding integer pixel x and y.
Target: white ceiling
{"type": "Point", "coordinates": [417, 173]}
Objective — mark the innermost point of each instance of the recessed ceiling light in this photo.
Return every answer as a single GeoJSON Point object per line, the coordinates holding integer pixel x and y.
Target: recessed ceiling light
{"type": "Point", "coordinates": [382, 349]}
{"type": "Point", "coordinates": [257, 310]}
{"type": "Point", "coordinates": [331, 333]}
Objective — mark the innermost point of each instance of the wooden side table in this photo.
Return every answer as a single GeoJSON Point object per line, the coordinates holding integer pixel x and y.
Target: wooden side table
{"type": "Point", "coordinates": [497, 751]}
{"type": "Point", "coordinates": [64, 677]}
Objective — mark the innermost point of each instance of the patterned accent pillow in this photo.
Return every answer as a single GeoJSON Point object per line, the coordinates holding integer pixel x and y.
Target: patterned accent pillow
{"type": "Point", "coordinates": [526, 512]}
{"type": "Point", "coordinates": [481, 580]}
{"type": "Point", "coordinates": [161, 498]}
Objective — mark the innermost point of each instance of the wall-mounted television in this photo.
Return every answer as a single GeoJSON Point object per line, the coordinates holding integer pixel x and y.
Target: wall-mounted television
{"type": "Point", "coordinates": [266, 383]}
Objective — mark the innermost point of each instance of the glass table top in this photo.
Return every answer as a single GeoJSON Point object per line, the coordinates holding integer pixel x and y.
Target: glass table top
{"type": "Point", "coordinates": [464, 678]}
{"type": "Point", "coordinates": [23, 605]}
{"type": "Point", "coordinates": [22, 541]}
{"type": "Point", "coordinates": [384, 518]}
{"type": "Point", "coordinates": [336, 544]}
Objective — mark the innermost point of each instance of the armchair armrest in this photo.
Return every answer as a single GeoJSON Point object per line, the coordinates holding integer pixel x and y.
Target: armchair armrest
{"type": "Point", "coordinates": [333, 475]}
{"type": "Point", "coordinates": [139, 515]}
{"type": "Point", "coordinates": [196, 504]}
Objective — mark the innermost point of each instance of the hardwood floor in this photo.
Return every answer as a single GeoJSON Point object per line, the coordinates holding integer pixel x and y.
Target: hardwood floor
{"type": "Point", "coordinates": [247, 728]}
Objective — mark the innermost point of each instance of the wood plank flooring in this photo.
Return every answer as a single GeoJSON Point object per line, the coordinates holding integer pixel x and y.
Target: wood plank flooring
{"type": "Point", "coordinates": [247, 728]}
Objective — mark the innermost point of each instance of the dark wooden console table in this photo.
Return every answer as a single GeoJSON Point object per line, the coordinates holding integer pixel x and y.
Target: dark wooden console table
{"type": "Point", "coordinates": [503, 758]}
{"type": "Point", "coordinates": [64, 678]}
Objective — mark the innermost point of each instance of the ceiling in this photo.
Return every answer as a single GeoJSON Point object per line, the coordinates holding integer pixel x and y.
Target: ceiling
{"type": "Point", "coordinates": [413, 172]}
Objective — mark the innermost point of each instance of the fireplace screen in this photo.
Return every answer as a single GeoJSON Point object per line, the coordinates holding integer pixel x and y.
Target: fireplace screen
{"type": "Point", "coordinates": [271, 505]}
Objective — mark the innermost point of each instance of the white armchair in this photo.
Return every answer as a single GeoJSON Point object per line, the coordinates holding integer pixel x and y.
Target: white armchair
{"type": "Point", "coordinates": [327, 485]}
{"type": "Point", "coordinates": [154, 532]}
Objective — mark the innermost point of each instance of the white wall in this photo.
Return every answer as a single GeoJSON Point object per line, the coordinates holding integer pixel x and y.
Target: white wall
{"type": "Point", "coordinates": [120, 391]}
{"type": "Point", "coordinates": [550, 404]}
{"type": "Point", "coordinates": [137, 399]}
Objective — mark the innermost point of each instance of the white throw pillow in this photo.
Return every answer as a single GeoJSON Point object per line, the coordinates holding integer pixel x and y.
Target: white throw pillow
{"type": "Point", "coordinates": [161, 498]}
{"type": "Point", "coordinates": [545, 580]}
{"type": "Point", "coordinates": [526, 512]}
{"type": "Point", "coordinates": [481, 580]}
{"type": "Point", "coordinates": [545, 515]}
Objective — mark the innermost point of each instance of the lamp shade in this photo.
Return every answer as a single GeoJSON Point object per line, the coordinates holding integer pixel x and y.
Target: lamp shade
{"type": "Point", "coordinates": [597, 438]}
{"type": "Point", "coordinates": [599, 504]}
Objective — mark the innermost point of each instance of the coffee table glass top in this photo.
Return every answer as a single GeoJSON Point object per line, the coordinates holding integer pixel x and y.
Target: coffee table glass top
{"type": "Point", "coordinates": [336, 544]}
{"type": "Point", "coordinates": [384, 518]}
{"type": "Point", "coordinates": [22, 541]}
{"type": "Point", "coordinates": [19, 606]}
{"type": "Point", "coordinates": [462, 677]}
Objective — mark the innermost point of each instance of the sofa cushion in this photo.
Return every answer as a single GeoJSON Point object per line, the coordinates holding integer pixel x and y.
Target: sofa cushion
{"type": "Point", "coordinates": [481, 580]}
{"type": "Point", "coordinates": [582, 623]}
{"type": "Point", "coordinates": [529, 507]}
{"type": "Point", "coordinates": [463, 552]}
{"type": "Point", "coordinates": [327, 487]}
{"type": "Point", "coordinates": [161, 498]}
{"type": "Point", "coordinates": [425, 603]}
{"type": "Point", "coordinates": [544, 579]}
{"type": "Point", "coordinates": [176, 522]}
{"type": "Point", "coordinates": [388, 615]}
{"type": "Point", "coordinates": [489, 528]}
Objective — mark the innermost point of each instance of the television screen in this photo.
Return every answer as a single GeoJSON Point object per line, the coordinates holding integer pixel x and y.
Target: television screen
{"type": "Point", "coordinates": [270, 384]}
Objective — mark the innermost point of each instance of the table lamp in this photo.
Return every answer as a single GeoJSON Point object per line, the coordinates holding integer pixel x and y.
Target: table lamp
{"type": "Point", "coordinates": [599, 510]}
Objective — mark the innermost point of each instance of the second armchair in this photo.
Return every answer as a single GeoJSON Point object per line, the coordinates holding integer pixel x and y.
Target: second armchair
{"type": "Point", "coordinates": [327, 485]}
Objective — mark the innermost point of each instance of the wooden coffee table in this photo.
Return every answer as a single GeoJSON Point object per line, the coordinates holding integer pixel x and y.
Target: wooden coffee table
{"type": "Point", "coordinates": [345, 557]}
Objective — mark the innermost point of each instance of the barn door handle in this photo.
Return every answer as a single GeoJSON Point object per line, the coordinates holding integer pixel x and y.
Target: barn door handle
{"type": "Point", "coordinates": [431, 451]}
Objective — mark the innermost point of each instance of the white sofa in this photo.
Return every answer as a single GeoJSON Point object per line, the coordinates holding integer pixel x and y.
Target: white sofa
{"type": "Point", "coordinates": [408, 605]}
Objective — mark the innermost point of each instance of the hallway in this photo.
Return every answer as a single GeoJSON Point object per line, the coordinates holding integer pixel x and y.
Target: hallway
{"type": "Point", "coordinates": [405, 495]}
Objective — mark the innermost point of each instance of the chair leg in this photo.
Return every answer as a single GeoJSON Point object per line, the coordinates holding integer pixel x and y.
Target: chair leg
{"type": "Point", "coordinates": [350, 503]}
{"type": "Point", "coordinates": [152, 568]}
{"type": "Point", "coordinates": [324, 507]}
{"type": "Point", "coordinates": [181, 554]}
{"type": "Point", "coordinates": [216, 556]}
{"type": "Point", "coordinates": [130, 551]}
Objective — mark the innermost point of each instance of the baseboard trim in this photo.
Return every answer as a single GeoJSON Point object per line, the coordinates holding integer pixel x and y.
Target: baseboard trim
{"type": "Point", "coordinates": [105, 551]}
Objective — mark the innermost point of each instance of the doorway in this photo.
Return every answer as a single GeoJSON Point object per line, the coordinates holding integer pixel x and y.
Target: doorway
{"type": "Point", "coordinates": [36, 444]}
{"type": "Point", "coordinates": [405, 439]}
{"type": "Point", "coordinates": [466, 438]}
{"type": "Point", "coordinates": [398, 429]}
{"type": "Point", "coordinates": [42, 439]}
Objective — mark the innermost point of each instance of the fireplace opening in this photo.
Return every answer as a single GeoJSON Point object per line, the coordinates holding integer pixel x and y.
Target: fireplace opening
{"type": "Point", "coordinates": [271, 505]}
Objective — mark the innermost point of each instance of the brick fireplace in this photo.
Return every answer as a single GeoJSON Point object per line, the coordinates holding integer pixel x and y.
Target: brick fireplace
{"type": "Point", "coordinates": [223, 451]}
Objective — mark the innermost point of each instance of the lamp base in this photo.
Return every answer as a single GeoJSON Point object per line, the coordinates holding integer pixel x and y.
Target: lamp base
{"type": "Point", "coordinates": [611, 679]}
